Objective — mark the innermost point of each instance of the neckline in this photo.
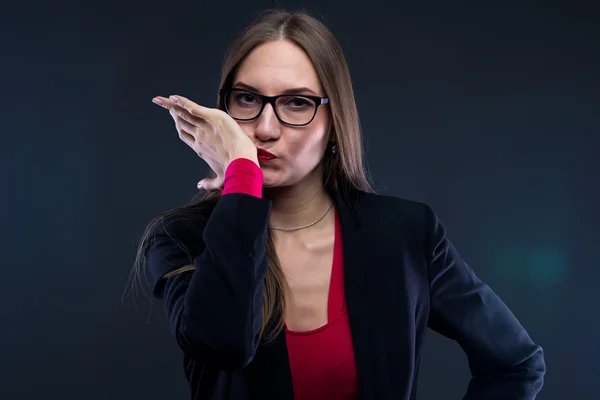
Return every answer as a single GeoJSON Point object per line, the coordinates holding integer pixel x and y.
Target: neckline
{"type": "Point", "coordinates": [316, 330]}
{"type": "Point", "coordinates": [333, 281]}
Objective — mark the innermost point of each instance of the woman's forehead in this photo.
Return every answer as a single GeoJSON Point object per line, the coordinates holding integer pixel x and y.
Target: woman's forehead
{"type": "Point", "coordinates": [276, 67]}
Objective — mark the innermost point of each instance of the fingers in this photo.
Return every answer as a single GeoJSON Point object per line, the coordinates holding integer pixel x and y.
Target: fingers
{"type": "Point", "coordinates": [185, 129]}
{"type": "Point", "coordinates": [186, 104]}
{"type": "Point", "coordinates": [193, 108]}
{"type": "Point", "coordinates": [185, 136]}
{"type": "Point", "coordinates": [177, 109]}
{"type": "Point", "coordinates": [210, 184]}
{"type": "Point", "coordinates": [184, 125]}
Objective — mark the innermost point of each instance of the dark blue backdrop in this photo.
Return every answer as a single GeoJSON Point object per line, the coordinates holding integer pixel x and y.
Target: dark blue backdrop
{"type": "Point", "coordinates": [488, 113]}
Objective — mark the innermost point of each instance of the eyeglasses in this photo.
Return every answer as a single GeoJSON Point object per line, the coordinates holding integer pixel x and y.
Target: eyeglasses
{"type": "Point", "coordinates": [291, 109]}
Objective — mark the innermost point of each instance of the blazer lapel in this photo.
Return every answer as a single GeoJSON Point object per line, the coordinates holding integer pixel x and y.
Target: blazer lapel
{"type": "Point", "coordinates": [356, 282]}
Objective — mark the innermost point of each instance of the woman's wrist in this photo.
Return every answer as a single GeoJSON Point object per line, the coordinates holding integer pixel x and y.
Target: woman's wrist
{"type": "Point", "coordinates": [247, 152]}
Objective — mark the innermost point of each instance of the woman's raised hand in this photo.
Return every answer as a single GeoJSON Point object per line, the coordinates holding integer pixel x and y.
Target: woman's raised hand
{"type": "Point", "coordinates": [211, 133]}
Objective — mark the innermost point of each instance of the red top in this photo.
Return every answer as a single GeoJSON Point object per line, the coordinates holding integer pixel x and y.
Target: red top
{"type": "Point", "coordinates": [321, 360]}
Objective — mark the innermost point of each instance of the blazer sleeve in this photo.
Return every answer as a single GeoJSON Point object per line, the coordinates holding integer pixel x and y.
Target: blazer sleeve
{"type": "Point", "coordinates": [214, 310]}
{"type": "Point", "coordinates": [504, 362]}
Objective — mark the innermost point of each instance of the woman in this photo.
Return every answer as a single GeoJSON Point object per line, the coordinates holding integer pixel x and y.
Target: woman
{"type": "Point", "coordinates": [288, 277]}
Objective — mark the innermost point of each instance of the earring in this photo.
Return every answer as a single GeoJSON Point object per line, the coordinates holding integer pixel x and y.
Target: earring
{"type": "Point", "coordinates": [334, 148]}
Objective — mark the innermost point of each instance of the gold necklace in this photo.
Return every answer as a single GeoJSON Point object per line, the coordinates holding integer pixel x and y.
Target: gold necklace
{"type": "Point", "coordinates": [304, 226]}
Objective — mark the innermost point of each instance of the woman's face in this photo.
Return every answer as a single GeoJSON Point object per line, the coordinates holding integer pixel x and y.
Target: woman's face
{"type": "Point", "coordinates": [274, 68]}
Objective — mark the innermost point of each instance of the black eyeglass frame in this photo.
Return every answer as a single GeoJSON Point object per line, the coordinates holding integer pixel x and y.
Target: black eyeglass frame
{"type": "Point", "coordinates": [271, 100]}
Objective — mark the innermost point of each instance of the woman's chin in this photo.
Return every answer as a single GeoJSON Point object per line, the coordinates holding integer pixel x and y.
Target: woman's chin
{"type": "Point", "coordinates": [269, 184]}
{"type": "Point", "coordinates": [270, 179]}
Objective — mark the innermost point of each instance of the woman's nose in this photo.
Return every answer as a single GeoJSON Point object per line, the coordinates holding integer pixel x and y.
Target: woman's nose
{"type": "Point", "coordinates": [268, 126]}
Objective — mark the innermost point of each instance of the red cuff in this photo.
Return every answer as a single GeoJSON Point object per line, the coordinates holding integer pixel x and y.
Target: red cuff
{"type": "Point", "coordinates": [243, 176]}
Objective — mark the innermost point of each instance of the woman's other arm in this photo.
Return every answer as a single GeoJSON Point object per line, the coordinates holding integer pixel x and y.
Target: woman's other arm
{"type": "Point", "coordinates": [504, 362]}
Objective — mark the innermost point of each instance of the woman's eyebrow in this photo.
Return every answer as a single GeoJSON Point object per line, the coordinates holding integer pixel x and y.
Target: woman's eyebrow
{"type": "Point", "coordinates": [296, 90]}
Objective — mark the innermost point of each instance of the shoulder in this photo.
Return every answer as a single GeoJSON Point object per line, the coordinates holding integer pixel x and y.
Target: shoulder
{"type": "Point", "coordinates": [392, 216]}
{"type": "Point", "coordinates": [389, 203]}
{"type": "Point", "coordinates": [395, 208]}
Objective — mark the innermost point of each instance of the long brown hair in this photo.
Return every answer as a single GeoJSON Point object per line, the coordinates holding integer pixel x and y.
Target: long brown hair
{"type": "Point", "coordinates": [343, 170]}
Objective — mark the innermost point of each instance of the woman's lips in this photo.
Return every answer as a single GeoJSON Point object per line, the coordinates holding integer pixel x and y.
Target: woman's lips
{"type": "Point", "coordinates": [264, 155]}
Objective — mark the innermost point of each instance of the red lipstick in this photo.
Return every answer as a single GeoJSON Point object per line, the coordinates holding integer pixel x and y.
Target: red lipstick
{"type": "Point", "coordinates": [264, 155]}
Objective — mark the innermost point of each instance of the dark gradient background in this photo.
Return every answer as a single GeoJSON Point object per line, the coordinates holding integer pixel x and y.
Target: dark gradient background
{"type": "Point", "coordinates": [488, 111]}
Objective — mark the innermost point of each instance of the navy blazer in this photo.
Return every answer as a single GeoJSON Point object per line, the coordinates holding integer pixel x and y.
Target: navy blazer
{"type": "Point", "coordinates": [402, 276]}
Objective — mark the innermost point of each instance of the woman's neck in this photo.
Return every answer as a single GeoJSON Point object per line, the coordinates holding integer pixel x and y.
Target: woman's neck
{"type": "Point", "coordinates": [298, 205]}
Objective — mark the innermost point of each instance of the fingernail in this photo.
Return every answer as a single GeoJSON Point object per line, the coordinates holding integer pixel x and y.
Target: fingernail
{"type": "Point", "coordinates": [158, 101]}
{"type": "Point", "coordinates": [174, 99]}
